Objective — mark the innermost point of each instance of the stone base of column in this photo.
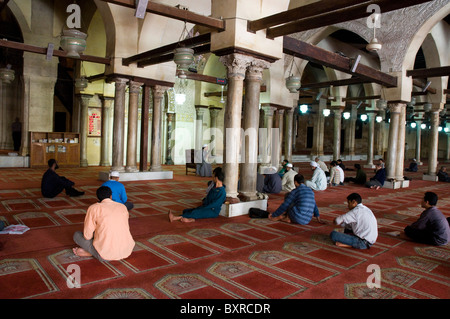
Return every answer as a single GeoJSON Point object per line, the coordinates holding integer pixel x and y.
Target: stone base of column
{"type": "Point", "coordinates": [247, 196]}
{"type": "Point", "coordinates": [242, 208]}
{"type": "Point", "coordinates": [421, 163]}
{"type": "Point", "coordinates": [431, 178]}
{"type": "Point", "coordinates": [396, 184]}
{"type": "Point", "coordinates": [369, 166]}
{"type": "Point", "coordinates": [131, 169]}
{"type": "Point", "coordinates": [15, 161]}
{"type": "Point", "coordinates": [138, 176]}
{"type": "Point", "coordinates": [232, 200]}
{"type": "Point", "coordinates": [105, 164]}
{"type": "Point", "coordinates": [155, 169]}
{"type": "Point", "coordinates": [84, 163]}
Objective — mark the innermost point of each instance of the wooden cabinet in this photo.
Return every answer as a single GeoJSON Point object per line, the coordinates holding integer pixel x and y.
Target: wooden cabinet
{"type": "Point", "coordinates": [63, 147]}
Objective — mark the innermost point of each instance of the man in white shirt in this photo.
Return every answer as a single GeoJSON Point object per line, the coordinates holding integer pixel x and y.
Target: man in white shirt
{"type": "Point", "coordinates": [318, 181]}
{"type": "Point", "coordinates": [322, 165]}
{"type": "Point", "coordinates": [287, 182]}
{"type": "Point", "coordinates": [361, 229]}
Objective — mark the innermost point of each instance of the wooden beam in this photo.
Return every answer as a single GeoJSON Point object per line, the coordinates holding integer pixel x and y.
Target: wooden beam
{"type": "Point", "coordinates": [429, 73]}
{"type": "Point", "coordinates": [206, 48]}
{"type": "Point", "coordinates": [338, 16]}
{"type": "Point", "coordinates": [262, 89]}
{"type": "Point", "coordinates": [362, 98]}
{"type": "Point", "coordinates": [175, 13]}
{"type": "Point", "coordinates": [318, 55]}
{"type": "Point", "coordinates": [58, 53]}
{"type": "Point", "coordinates": [419, 83]}
{"type": "Point", "coordinates": [203, 78]}
{"type": "Point", "coordinates": [169, 48]}
{"type": "Point", "coordinates": [301, 12]}
{"type": "Point", "coordinates": [320, 85]}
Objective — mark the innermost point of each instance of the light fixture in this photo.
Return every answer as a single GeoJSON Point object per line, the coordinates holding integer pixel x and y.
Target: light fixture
{"type": "Point", "coordinates": [183, 57]}
{"type": "Point", "coordinates": [446, 129]}
{"type": "Point", "coordinates": [346, 115]}
{"type": "Point", "coordinates": [292, 82]}
{"type": "Point", "coordinates": [81, 82]}
{"type": "Point", "coordinates": [303, 108]}
{"type": "Point", "coordinates": [180, 98]}
{"type": "Point", "coordinates": [73, 42]}
{"type": "Point", "coordinates": [440, 129]}
{"type": "Point", "coordinates": [7, 74]}
{"type": "Point", "coordinates": [374, 45]}
{"type": "Point", "coordinates": [363, 117]}
{"type": "Point", "coordinates": [326, 112]}
{"type": "Point", "coordinates": [222, 100]}
{"type": "Point", "coordinates": [413, 124]}
{"type": "Point", "coordinates": [423, 126]}
{"type": "Point", "coordinates": [379, 119]}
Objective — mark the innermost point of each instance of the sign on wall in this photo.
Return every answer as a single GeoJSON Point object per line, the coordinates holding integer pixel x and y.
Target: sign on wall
{"type": "Point", "coordinates": [94, 121]}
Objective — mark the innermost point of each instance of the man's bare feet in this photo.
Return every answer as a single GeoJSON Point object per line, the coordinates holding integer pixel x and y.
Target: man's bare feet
{"type": "Point", "coordinates": [342, 245]}
{"type": "Point", "coordinates": [80, 252]}
{"type": "Point", "coordinates": [187, 220]}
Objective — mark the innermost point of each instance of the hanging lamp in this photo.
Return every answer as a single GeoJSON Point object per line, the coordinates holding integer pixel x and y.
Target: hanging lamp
{"type": "Point", "coordinates": [293, 82]}
{"type": "Point", "coordinates": [7, 75]}
{"type": "Point", "coordinates": [183, 57]}
{"type": "Point", "coordinates": [374, 45]}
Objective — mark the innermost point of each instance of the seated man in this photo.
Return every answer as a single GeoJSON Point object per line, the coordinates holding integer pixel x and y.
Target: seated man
{"type": "Point", "coordinates": [106, 234]}
{"type": "Point", "coordinates": [361, 230]}
{"type": "Point", "coordinates": [211, 205]}
{"type": "Point", "coordinates": [119, 194]}
{"type": "Point", "coordinates": [360, 178]}
{"type": "Point", "coordinates": [432, 228]}
{"type": "Point", "coordinates": [322, 165]}
{"type": "Point", "coordinates": [318, 180]}
{"type": "Point", "coordinates": [412, 166]}
{"type": "Point", "coordinates": [335, 174]}
{"type": "Point", "coordinates": [204, 169]}
{"type": "Point", "coordinates": [283, 169]}
{"type": "Point", "coordinates": [272, 181]}
{"type": "Point", "coordinates": [443, 175]}
{"type": "Point", "coordinates": [299, 205]}
{"type": "Point", "coordinates": [52, 184]}
{"type": "Point", "coordinates": [378, 180]}
{"type": "Point", "coordinates": [287, 182]}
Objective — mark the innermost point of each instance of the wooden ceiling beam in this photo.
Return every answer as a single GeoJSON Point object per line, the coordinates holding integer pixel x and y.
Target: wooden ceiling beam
{"type": "Point", "coordinates": [362, 98]}
{"type": "Point", "coordinates": [301, 12]}
{"type": "Point", "coordinates": [338, 16]}
{"type": "Point", "coordinates": [429, 73]}
{"type": "Point", "coordinates": [206, 48]}
{"type": "Point", "coordinates": [318, 55]}
{"type": "Point", "coordinates": [169, 48]}
{"type": "Point", "coordinates": [175, 13]}
{"type": "Point", "coordinates": [58, 53]}
{"type": "Point", "coordinates": [345, 82]}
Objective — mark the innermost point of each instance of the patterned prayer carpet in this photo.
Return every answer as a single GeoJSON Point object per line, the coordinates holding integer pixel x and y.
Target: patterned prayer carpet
{"type": "Point", "coordinates": [221, 258]}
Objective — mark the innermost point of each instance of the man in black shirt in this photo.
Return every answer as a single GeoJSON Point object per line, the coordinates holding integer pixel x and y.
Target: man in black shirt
{"type": "Point", "coordinates": [52, 184]}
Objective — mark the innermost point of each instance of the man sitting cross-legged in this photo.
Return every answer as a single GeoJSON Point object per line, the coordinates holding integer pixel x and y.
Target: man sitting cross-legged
{"type": "Point", "coordinates": [299, 205]}
{"type": "Point", "coordinates": [106, 234]}
{"type": "Point", "coordinates": [211, 204]}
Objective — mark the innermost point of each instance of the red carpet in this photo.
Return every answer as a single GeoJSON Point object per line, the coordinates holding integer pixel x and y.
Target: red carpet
{"type": "Point", "coordinates": [218, 258]}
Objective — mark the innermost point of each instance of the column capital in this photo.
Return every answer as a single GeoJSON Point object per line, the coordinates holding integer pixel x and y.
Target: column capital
{"type": "Point", "coordinates": [255, 69]}
{"type": "Point", "coordinates": [236, 64]}
{"type": "Point", "coordinates": [159, 90]}
{"type": "Point", "coordinates": [85, 98]}
{"type": "Point", "coordinates": [396, 107]}
{"type": "Point", "coordinates": [214, 111]}
{"type": "Point", "coordinates": [135, 87]}
{"type": "Point", "coordinates": [268, 110]}
{"type": "Point", "coordinates": [120, 81]}
{"type": "Point", "coordinates": [338, 109]}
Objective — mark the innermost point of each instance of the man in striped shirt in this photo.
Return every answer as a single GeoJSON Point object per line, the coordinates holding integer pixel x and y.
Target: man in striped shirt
{"type": "Point", "coordinates": [299, 205]}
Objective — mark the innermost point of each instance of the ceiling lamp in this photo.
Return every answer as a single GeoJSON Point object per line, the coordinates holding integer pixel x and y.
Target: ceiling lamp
{"type": "Point", "coordinates": [304, 108]}
{"type": "Point", "coordinates": [413, 124]}
{"type": "Point", "coordinates": [346, 115]}
{"type": "Point", "coordinates": [7, 74]}
{"type": "Point", "coordinates": [374, 45]}
{"type": "Point", "coordinates": [379, 119]}
{"type": "Point", "coordinates": [73, 42]}
{"type": "Point", "coordinates": [183, 58]}
{"type": "Point", "coordinates": [363, 117]}
{"type": "Point", "coordinates": [292, 82]}
{"type": "Point", "coordinates": [81, 83]}
{"type": "Point", "coordinates": [326, 112]}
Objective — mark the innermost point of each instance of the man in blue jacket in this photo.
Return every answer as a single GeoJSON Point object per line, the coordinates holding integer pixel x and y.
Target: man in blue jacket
{"type": "Point", "coordinates": [299, 205]}
{"type": "Point", "coordinates": [378, 180]}
{"type": "Point", "coordinates": [211, 204]}
{"type": "Point", "coordinates": [119, 194]}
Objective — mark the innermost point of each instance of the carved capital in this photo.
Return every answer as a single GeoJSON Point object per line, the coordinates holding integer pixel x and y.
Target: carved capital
{"type": "Point", "coordinates": [236, 64]}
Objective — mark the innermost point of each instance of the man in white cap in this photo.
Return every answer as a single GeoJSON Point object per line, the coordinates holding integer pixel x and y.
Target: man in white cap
{"type": "Point", "coordinates": [318, 181]}
{"type": "Point", "coordinates": [118, 190]}
{"type": "Point", "coordinates": [287, 182]}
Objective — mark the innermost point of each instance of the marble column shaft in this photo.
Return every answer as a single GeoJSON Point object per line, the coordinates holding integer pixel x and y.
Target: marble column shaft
{"type": "Point", "coordinates": [199, 112]}
{"type": "Point", "coordinates": [433, 142]}
{"type": "Point", "coordinates": [418, 141]}
{"type": "Point", "coordinates": [337, 132]}
{"type": "Point", "coordinates": [370, 141]}
{"type": "Point", "coordinates": [400, 162]}
{"type": "Point", "coordinates": [248, 174]}
{"type": "Point", "coordinates": [350, 132]}
{"type": "Point", "coordinates": [155, 162]}
{"type": "Point", "coordinates": [214, 113]}
{"type": "Point", "coordinates": [395, 111]}
{"type": "Point", "coordinates": [134, 90]}
{"type": "Point", "coordinates": [288, 134]}
{"type": "Point", "coordinates": [119, 125]}
{"type": "Point", "coordinates": [170, 117]}
{"type": "Point", "coordinates": [106, 113]}
{"type": "Point", "coordinates": [84, 101]}
{"type": "Point", "coordinates": [319, 121]}
{"type": "Point", "coordinates": [236, 65]}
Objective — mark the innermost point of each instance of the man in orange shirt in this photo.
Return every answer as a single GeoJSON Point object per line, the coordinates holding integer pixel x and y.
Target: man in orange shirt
{"type": "Point", "coordinates": [106, 234]}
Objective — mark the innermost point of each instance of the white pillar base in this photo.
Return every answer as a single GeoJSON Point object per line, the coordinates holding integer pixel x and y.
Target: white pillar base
{"type": "Point", "coordinates": [239, 209]}
{"type": "Point", "coordinates": [432, 178]}
{"type": "Point", "coordinates": [138, 176]}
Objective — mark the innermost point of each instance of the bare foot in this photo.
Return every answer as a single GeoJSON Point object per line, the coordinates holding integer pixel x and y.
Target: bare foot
{"type": "Point", "coordinates": [187, 220]}
{"type": "Point", "coordinates": [378, 187]}
{"type": "Point", "coordinates": [78, 251]}
{"type": "Point", "coordinates": [342, 245]}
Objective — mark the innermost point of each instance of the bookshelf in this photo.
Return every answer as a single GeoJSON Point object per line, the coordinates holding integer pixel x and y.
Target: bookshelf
{"type": "Point", "coordinates": [64, 147]}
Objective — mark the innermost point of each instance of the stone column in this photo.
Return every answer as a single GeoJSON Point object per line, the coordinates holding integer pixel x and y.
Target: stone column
{"type": "Point", "coordinates": [434, 139]}
{"type": "Point", "coordinates": [199, 111]}
{"type": "Point", "coordinates": [143, 161]}
{"type": "Point", "coordinates": [350, 133]}
{"type": "Point", "coordinates": [265, 137]}
{"type": "Point", "coordinates": [379, 133]}
{"type": "Point", "coordinates": [213, 113]}
{"type": "Point", "coordinates": [400, 162]}
{"type": "Point", "coordinates": [370, 142]}
{"type": "Point", "coordinates": [249, 167]}
{"type": "Point", "coordinates": [278, 144]}
{"type": "Point", "coordinates": [447, 153]}
{"type": "Point", "coordinates": [155, 162]}
{"type": "Point", "coordinates": [337, 111]}
{"type": "Point", "coordinates": [236, 65]}
{"type": "Point", "coordinates": [169, 160]}
{"type": "Point", "coordinates": [288, 134]}
{"type": "Point", "coordinates": [106, 114]}
{"type": "Point", "coordinates": [118, 125]}
{"type": "Point", "coordinates": [134, 90]}
{"type": "Point", "coordinates": [319, 121]}
{"type": "Point", "coordinates": [84, 101]}
{"type": "Point", "coordinates": [418, 141]}
{"type": "Point", "coordinates": [395, 111]}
